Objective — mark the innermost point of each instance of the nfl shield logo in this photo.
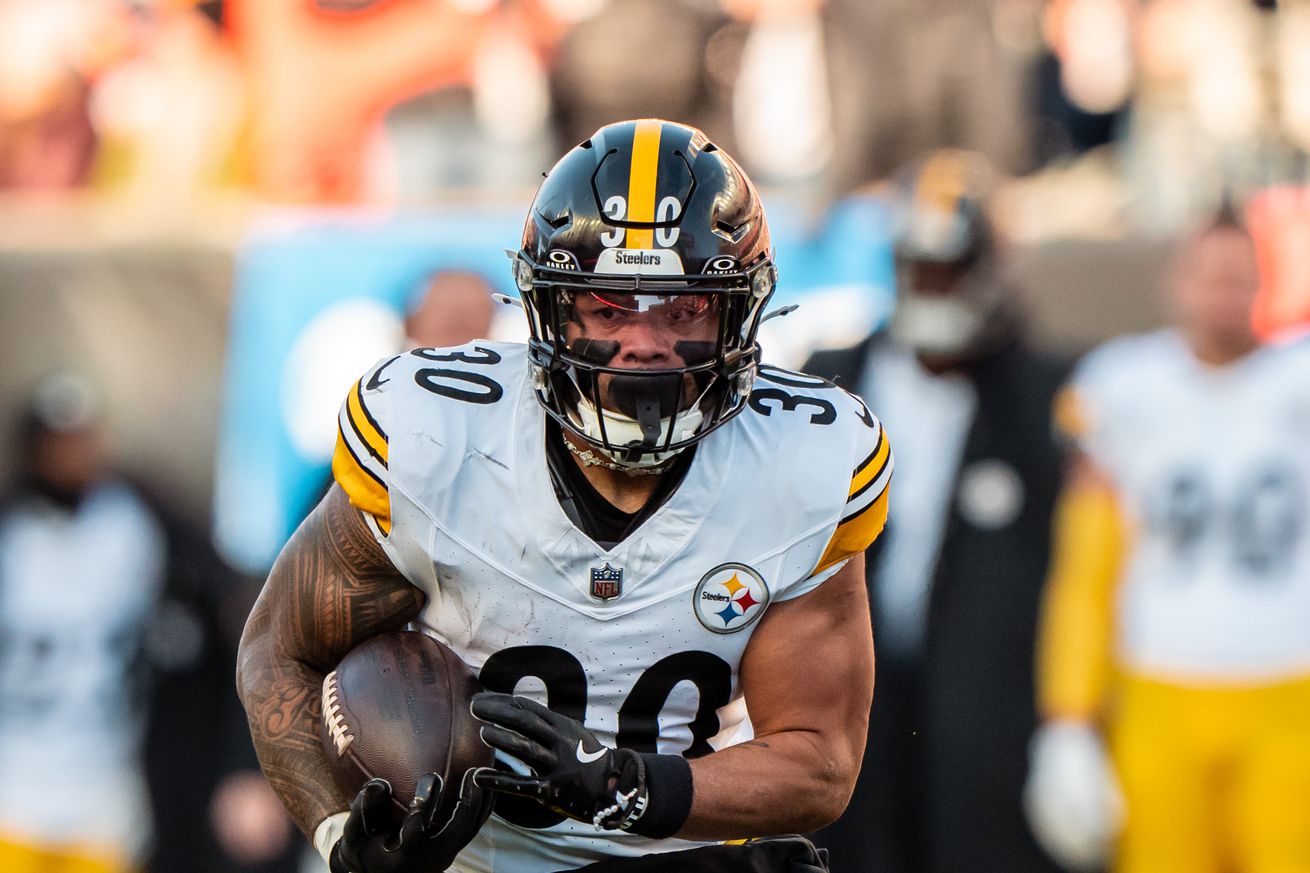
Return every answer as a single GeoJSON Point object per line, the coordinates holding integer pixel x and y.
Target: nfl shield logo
{"type": "Point", "coordinates": [606, 582]}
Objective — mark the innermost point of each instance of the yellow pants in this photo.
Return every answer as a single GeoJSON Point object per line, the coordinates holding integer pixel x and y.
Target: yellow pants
{"type": "Point", "coordinates": [16, 857]}
{"type": "Point", "coordinates": [1216, 780]}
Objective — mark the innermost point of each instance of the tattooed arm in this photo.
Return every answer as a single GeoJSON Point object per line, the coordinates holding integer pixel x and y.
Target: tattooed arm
{"type": "Point", "coordinates": [331, 588]}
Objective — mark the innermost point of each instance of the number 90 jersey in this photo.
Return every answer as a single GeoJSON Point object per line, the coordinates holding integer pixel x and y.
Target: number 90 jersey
{"type": "Point", "coordinates": [1211, 466]}
{"type": "Point", "coordinates": [444, 450]}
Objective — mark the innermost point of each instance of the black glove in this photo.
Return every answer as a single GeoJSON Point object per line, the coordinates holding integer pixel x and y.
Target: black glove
{"type": "Point", "coordinates": [370, 843]}
{"type": "Point", "coordinates": [577, 775]}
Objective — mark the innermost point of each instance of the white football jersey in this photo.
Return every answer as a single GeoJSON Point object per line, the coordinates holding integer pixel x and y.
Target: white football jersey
{"type": "Point", "coordinates": [77, 592]}
{"type": "Point", "coordinates": [445, 449]}
{"type": "Point", "coordinates": [1212, 466]}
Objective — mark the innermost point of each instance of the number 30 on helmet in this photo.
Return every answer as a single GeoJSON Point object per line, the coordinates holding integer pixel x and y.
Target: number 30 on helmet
{"type": "Point", "coordinates": [649, 221]}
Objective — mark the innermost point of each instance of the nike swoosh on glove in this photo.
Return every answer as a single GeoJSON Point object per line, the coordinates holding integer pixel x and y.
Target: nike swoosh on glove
{"type": "Point", "coordinates": [576, 774]}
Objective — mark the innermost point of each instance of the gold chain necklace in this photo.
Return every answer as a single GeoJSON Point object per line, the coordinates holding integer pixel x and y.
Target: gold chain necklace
{"type": "Point", "coordinates": [591, 459]}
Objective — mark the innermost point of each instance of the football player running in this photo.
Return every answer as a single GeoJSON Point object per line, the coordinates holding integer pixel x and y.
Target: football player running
{"type": "Point", "coordinates": [1175, 658]}
{"type": "Point", "coordinates": [632, 530]}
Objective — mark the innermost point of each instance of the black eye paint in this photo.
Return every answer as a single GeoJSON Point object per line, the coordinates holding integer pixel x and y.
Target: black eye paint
{"type": "Point", "coordinates": [695, 352]}
{"type": "Point", "coordinates": [595, 351]}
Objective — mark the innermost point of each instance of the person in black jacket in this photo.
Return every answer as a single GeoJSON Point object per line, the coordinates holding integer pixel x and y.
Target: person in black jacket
{"type": "Point", "coordinates": [956, 580]}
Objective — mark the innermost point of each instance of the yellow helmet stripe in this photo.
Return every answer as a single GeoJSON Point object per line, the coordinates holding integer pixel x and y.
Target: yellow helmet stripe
{"type": "Point", "coordinates": [641, 181]}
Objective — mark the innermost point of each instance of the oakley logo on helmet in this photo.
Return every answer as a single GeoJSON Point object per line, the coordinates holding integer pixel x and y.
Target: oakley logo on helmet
{"type": "Point", "coordinates": [562, 259]}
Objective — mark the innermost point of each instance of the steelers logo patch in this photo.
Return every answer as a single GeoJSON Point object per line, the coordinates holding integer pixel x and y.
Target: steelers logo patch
{"type": "Point", "coordinates": [730, 598]}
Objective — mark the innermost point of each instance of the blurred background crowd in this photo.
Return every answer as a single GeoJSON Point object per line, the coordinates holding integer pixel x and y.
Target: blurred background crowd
{"type": "Point", "coordinates": [214, 215]}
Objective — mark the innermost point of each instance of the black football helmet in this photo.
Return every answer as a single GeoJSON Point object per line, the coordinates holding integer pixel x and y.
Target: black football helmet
{"type": "Point", "coordinates": [645, 217]}
{"type": "Point", "coordinates": [941, 209]}
{"type": "Point", "coordinates": [952, 302]}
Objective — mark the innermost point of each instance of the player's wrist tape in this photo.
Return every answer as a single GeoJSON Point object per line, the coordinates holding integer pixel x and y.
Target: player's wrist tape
{"type": "Point", "coordinates": [664, 808]}
{"type": "Point", "coordinates": [327, 833]}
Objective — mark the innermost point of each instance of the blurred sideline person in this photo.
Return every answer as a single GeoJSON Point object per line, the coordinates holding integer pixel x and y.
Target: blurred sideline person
{"type": "Point", "coordinates": [82, 561]}
{"type": "Point", "coordinates": [956, 580]}
{"type": "Point", "coordinates": [323, 81]}
{"type": "Point", "coordinates": [1175, 650]}
{"type": "Point", "coordinates": [906, 78]}
{"type": "Point", "coordinates": [451, 308]}
{"type": "Point", "coordinates": [583, 520]}
{"type": "Point", "coordinates": [455, 308]}
{"type": "Point", "coordinates": [110, 659]}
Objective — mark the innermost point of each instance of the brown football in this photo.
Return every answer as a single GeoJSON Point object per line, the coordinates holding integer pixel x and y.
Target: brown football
{"type": "Point", "coordinates": [397, 707]}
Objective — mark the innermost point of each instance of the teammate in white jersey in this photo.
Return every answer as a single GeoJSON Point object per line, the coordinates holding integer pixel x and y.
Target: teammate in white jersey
{"type": "Point", "coordinates": [82, 572]}
{"type": "Point", "coordinates": [648, 546]}
{"type": "Point", "coordinates": [1175, 680]}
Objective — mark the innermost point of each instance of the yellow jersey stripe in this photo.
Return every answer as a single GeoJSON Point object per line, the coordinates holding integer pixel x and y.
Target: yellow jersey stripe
{"type": "Point", "coordinates": [363, 424]}
{"type": "Point", "coordinates": [871, 467]}
{"type": "Point", "coordinates": [865, 514]}
{"type": "Point", "coordinates": [856, 532]}
{"type": "Point", "coordinates": [642, 176]}
{"type": "Point", "coordinates": [366, 491]}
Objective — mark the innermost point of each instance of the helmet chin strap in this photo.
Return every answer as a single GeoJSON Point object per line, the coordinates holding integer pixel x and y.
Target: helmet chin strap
{"type": "Point", "coordinates": [626, 432]}
{"type": "Point", "coordinates": [649, 400]}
